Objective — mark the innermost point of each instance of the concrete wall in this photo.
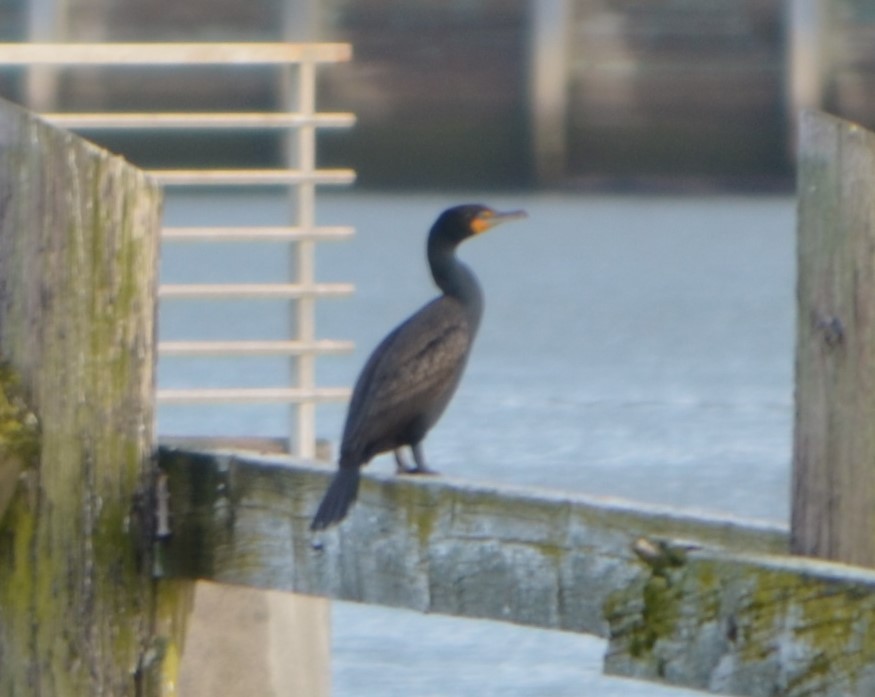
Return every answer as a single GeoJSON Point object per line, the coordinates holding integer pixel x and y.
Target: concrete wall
{"type": "Point", "coordinates": [243, 642]}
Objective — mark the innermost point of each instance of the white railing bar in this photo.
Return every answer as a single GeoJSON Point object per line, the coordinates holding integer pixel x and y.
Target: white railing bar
{"type": "Point", "coordinates": [126, 54]}
{"type": "Point", "coordinates": [250, 177]}
{"type": "Point", "coordinates": [299, 60]}
{"type": "Point", "coordinates": [253, 348]}
{"type": "Point", "coordinates": [161, 120]}
{"type": "Point", "coordinates": [286, 395]}
{"type": "Point", "coordinates": [255, 290]}
{"type": "Point", "coordinates": [256, 233]}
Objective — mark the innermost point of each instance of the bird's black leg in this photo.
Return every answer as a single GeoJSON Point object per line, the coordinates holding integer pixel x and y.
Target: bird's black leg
{"type": "Point", "coordinates": [419, 458]}
{"type": "Point", "coordinates": [401, 467]}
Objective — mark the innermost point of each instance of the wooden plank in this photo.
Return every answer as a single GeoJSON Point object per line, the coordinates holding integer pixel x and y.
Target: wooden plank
{"type": "Point", "coordinates": [706, 603]}
{"type": "Point", "coordinates": [430, 544]}
{"type": "Point", "coordinates": [78, 252]}
{"type": "Point", "coordinates": [833, 509]}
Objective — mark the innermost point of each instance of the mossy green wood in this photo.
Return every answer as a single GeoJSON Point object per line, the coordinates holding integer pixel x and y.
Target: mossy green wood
{"type": "Point", "coordinates": [78, 249]}
{"type": "Point", "coordinates": [710, 603]}
{"type": "Point", "coordinates": [747, 625]}
{"type": "Point", "coordinates": [19, 435]}
{"type": "Point", "coordinates": [833, 507]}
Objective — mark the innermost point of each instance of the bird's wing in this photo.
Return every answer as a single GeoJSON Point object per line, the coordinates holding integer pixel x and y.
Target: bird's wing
{"type": "Point", "coordinates": [410, 370]}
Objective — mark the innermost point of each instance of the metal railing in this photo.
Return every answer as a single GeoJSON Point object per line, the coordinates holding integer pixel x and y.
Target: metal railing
{"type": "Point", "coordinates": [300, 119]}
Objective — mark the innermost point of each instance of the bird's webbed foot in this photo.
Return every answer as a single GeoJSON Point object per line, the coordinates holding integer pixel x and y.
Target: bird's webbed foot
{"type": "Point", "coordinates": [418, 457]}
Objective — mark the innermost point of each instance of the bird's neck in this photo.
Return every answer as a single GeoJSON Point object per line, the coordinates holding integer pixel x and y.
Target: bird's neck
{"type": "Point", "coordinates": [452, 276]}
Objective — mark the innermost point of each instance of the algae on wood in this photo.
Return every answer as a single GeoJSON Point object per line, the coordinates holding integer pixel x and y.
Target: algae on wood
{"type": "Point", "coordinates": [78, 247]}
{"type": "Point", "coordinates": [19, 436]}
{"type": "Point", "coordinates": [833, 508]}
{"type": "Point", "coordinates": [747, 625]}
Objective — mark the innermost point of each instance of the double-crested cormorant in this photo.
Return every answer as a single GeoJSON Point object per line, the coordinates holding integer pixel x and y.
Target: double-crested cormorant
{"type": "Point", "coordinates": [411, 376]}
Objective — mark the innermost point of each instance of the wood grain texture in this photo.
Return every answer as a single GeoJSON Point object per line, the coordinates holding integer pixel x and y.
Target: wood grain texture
{"type": "Point", "coordinates": [833, 508]}
{"type": "Point", "coordinates": [78, 249]}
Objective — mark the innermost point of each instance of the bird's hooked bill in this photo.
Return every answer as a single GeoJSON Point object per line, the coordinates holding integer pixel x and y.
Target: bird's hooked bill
{"type": "Point", "coordinates": [489, 219]}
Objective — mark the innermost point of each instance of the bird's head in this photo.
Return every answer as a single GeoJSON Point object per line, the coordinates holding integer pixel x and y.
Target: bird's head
{"type": "Point", "coordinates": [461, 222]}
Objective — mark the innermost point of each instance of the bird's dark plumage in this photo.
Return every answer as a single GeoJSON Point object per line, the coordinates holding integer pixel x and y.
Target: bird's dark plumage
{"type": "Point", "coordinates": [410, 377]}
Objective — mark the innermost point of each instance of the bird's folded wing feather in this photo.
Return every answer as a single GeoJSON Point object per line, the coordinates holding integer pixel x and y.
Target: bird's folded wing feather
{"type": "Point", "coordinates": [415, 364]}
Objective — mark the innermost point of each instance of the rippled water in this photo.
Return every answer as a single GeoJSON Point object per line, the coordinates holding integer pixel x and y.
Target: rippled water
{"type": "Point", "coordinates": [637, 347]}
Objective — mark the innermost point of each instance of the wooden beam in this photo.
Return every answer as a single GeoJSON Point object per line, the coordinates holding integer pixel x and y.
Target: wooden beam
{"type": "Point", "coordinates": [833, 508]}
{"type": "Point", "coordinates": [711, 603]}
{"type": "Point", "coordinates": [741, 624]}
{"type": "Point", "coordinates": [430, 544]}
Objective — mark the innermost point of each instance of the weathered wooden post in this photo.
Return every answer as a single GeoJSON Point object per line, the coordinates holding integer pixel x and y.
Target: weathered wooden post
{"type": "Point", "coordinates": [80, 613]}
{"type": "Point", "coordinates": [833, 509]}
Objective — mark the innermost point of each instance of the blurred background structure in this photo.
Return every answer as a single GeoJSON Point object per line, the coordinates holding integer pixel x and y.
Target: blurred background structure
{"type": "Point", "coordinates": [510, 93]}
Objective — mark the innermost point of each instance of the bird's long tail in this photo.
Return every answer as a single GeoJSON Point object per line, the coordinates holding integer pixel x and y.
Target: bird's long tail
{"type": "Point", "coordinates": [340, 496]}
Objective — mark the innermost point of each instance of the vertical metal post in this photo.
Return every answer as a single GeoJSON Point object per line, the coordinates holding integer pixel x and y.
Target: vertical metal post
{"type": "Point", "coordinates": [300, 22]}
{"type": "Point", "coordinates": [305, 257]}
